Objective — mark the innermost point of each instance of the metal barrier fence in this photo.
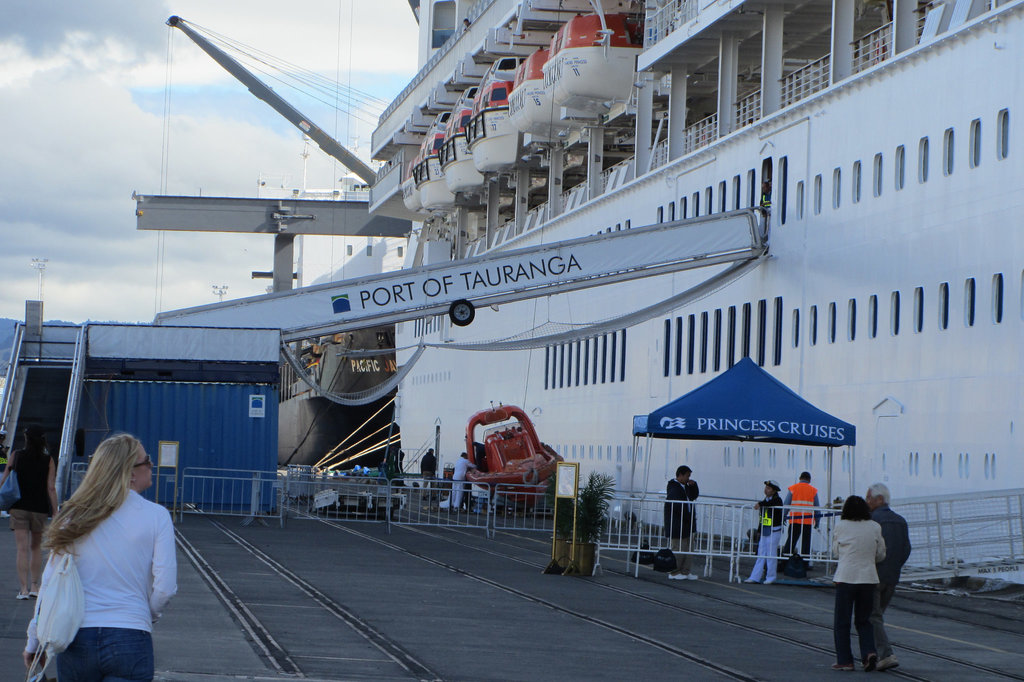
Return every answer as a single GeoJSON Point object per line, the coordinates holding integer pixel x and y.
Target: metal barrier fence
{"type": "Point", "coordinates": [349, 498]}
{"type": "Point", "coordinates": [965, 534]}
{"type": "Point", "coordinates": [255, 495]}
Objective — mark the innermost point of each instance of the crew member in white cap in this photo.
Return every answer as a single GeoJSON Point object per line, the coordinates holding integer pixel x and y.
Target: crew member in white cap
{"type": "Point", "coordinates": [770, 517]}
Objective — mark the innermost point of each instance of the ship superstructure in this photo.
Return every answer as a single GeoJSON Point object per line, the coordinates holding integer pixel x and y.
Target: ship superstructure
{"type": "Point", "coordinates": [880, 136]}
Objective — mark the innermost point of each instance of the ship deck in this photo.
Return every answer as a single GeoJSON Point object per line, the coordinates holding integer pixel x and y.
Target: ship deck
{"type": "Point", "coordinates": [347, 601]}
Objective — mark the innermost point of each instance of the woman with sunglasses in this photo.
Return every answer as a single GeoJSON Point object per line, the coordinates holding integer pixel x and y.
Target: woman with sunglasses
{"type": "Point", "coordinates": [124, 550]}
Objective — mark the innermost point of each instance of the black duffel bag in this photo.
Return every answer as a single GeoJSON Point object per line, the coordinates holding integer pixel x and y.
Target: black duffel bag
{"type": "Point", "coordinates": [664, 561]}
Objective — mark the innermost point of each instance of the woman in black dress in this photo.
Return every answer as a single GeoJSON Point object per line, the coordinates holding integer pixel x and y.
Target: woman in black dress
{"type": "Point", "coordinates": [37, 478]}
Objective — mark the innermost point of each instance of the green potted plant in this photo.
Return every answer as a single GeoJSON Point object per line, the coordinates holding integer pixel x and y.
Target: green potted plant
{"type": "Point", "coordinates": [592, 504]}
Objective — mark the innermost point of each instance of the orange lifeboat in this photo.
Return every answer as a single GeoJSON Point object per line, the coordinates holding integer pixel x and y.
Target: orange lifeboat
{"type": "Point", "coordinates": [427, 174]}
{"type": "Point", "coordinates": [511, 453]}
{"type": "Point", "coordinates": [493, 140]}
{"type": "Point", "coordinates": [590, 67]}
{"type": "Point", "coordinates": [529, 104]}
{"type": "Point", "coordinates": [456, 160]}
{"type": "Point", "coordinates": [410, 194]}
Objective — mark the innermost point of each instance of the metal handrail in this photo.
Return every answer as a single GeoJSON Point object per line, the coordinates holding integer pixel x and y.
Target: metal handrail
{"type": "Point", "coordinates": [12, 369]}
{"type": "Point", "coordinates": [67, 440]}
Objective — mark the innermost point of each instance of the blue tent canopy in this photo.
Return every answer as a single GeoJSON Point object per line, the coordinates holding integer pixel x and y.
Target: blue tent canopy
{"type": "Point", "coordinates": [745, 403]}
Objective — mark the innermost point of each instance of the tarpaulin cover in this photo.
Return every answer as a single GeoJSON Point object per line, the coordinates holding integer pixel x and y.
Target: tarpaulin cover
{"type": "Point", "coordinates": [745, 403]}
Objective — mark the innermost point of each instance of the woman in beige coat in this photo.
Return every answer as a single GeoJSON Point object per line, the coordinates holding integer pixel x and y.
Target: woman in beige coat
{"type": "Point", "coordinates": [858, 545]}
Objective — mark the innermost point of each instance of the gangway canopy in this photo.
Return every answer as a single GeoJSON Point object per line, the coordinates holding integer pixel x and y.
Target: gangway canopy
{"type": "Point", "coordinates": [492, 279]}
{"type": "Point", "coordinates": [745, 403]}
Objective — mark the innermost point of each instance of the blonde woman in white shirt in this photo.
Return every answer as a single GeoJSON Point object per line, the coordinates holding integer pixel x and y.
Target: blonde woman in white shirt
{"type": "Point", "coordinates": [858, 545]}
{"type": "Point", "coordinates": [124, 550]}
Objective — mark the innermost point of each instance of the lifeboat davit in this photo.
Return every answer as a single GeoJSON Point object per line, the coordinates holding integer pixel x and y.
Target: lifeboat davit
{"type": "Point", "coordinates": [429, 178]}
{"type": "Point", "coordinates": [410, 194]}
{"type": "Point", "coordinates": [511, 454]}
{"type": "Point", "coordinates": [456, 160]}
{"type": "Point", "coordinates": [529, 104]}
{"type": "Point", "coordinates": [584, 70]}
{"type": "Point", "coordinates": [493, 140]}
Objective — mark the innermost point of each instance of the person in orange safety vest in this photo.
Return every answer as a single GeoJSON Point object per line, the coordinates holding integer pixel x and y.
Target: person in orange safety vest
{"type": "Point", "coordinates": [801, 494]}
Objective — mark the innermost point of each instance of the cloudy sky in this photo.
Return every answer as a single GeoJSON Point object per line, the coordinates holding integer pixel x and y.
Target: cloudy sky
{"type": "Point", "coordinates": [82, 86]}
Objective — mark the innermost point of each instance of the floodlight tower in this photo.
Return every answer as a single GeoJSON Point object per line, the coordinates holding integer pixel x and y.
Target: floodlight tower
{"type": "Point", "coordinates": [39, 265]}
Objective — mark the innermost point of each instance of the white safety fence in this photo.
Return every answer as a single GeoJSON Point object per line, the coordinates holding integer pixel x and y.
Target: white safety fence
{"type": "Point", "coordinates": [255, 495]}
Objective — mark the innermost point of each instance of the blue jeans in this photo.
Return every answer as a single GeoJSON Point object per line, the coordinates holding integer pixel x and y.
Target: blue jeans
{"type": "Point", "coordinates": [856, 600]}
{"type": "Point", "coordinates": [107, 655]}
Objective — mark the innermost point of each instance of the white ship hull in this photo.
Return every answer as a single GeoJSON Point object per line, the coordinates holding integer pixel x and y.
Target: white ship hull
{"type": "Point", "coordinates": [935, 404]}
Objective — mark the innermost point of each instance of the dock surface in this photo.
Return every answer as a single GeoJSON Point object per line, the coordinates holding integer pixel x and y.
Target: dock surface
{"type": "Point", "coordinates": [323, 600]}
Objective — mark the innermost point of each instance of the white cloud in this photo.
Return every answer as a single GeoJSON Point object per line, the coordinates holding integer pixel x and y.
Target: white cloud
{"type": "Point", "coordinates": [82, 121]}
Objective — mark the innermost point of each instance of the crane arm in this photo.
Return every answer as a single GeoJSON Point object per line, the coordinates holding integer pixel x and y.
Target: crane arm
{"type": "Point", "coordinates": [278, 103]}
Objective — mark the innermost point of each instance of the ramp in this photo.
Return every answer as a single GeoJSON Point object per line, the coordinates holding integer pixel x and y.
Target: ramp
{"type": "Point", "coordinates": [493, 279]}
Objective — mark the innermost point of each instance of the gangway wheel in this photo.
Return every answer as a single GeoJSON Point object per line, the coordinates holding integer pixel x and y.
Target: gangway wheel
{"type": "Point", "coordinates": [461, 313]}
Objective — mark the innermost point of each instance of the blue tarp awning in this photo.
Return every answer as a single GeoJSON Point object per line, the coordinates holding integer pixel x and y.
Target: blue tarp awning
{"type": "Point", "coordinates": [745, 403]}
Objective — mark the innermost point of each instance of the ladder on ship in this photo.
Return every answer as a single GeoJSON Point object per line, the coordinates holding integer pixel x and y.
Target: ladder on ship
{"type": "Point", "coordinates": [735, 239]}
{"type": "Point", "coordinates": [43, 387]}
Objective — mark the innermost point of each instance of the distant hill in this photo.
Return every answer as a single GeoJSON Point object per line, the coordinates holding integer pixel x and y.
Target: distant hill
{"type": "Point", "coordinates": [7, 338]}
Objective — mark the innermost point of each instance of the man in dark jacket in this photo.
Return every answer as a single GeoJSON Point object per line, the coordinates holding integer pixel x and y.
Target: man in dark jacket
{"type": "Point", "coordinates": [897, 550]}
{"type": "Point", "coordinates": [679, 521]}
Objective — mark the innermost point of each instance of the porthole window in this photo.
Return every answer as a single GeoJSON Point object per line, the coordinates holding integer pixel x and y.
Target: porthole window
{"type": "Point", "coordinates": [682, 208]}
{"type": "Point", "coordinates": [831, 322]}
{"type": "Point", "coordinates": [947, 152]}
{"type": "Point", "coordinates": [876, 175]}
{"type": "Point", "coordinates": [855, 182]}
{"type": "Point", "coordinates": [944, 305]}
{"type": "Point", "coordinates": [997, 298]}
{"type": "Point", "coordinates": [722, 196]}
{"type": "Point", "coordinates": [900, 164]}
{"type": "Point", "coordinates": [812, 325]}
{"type": "Point", "coordinates": [817, 194]}
{"type": "Point", "coordinates": [1003, 134]}
{"type": "Point", "coordinates": [918, 309]}
{"type": "Point", "coordinates": [671, 211]}
{"type": "Point", "coordinates": [783, 186]}
{"type": "Point", "coordinates": [974, 157]}
{"type": "Point", "coordinates": [751, 188]}
{"type": "Point", "coordinates": [796, 327]}
{"type": "Point", "coordinates": [873, 315]}
{"type": "Point", "coordinates": [894, 315]}
{"type": "Point", "coordinates": [851, 331]}
{"type": "Point", "coordinates": [736, 192]}
{"type": "Point", "coordinates": [922, 160]}
{"type": "Point", "coordinates": [708, 200]}
{"type": "Point", "coordinates": [661, 214]}
{"type": "Point", "coordinates": [836, 187]}
{"type": "Point", "coordinates": [696, 204]}
{"type": "Point", "coordinates": [969, 292]}
{"type": "Point", "coordinates": [800, 200]}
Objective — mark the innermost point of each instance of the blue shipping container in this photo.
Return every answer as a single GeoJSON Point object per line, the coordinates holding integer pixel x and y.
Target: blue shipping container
{"type": "Point", "coordinates": [225, 427]}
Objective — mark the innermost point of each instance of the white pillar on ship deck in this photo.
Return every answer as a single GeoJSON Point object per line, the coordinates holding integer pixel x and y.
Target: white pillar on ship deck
{"type": "Point", "coordinates": [595, 161]}
{"type": "Point", "coordinates": [284, 257]}
{"type": "Point", "coordinates": [492, 209]}
{"type": "Point", "coordinates": [771, 60]}
{"type": "Point", "coordinates": [728, 73]}
{"type": "Point", "coordinates": [644, 126]}
{"type": "Point", "coordinates": [522, 195]}
{"type": "Point", "coordinates": [842, 39]}
{"type": "Point", "coordinates": [677, 113]}
{"type": "Point", "coordinates": [462, 237]}
{"type": "Point", "coordinates": [555, 159]}
{"type": "Point", "coordinates": [904, 25]}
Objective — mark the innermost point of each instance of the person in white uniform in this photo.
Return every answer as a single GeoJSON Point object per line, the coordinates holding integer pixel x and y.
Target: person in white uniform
{"type": "Point", "coordinates": [459, 489]}
{"type": "Point", "coordinates": [124, 550]}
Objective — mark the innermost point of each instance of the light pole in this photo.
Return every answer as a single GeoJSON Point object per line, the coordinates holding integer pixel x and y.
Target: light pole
{"type": "Point", "coordinates": [39, 265]}
{"type": "Point", "coordinates": [219, 290]}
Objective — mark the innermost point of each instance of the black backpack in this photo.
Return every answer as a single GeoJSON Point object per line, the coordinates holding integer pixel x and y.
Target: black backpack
{"type": "Point", "coordinates": [664, 561]}
{"type": "Point", "coordinates": [795, 567]}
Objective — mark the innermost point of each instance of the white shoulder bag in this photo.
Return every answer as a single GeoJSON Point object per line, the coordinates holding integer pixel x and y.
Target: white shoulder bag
{"type": "Point", "coordinates": [60, 606]}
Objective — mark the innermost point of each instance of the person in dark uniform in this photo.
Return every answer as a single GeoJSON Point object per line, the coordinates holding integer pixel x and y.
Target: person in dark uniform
{"type": "Point", "coordinates": [770, 515]}
{"type": "Point", "coordinates": [37, 478]}
{"type": "Point", "coordinates": [679, 521]}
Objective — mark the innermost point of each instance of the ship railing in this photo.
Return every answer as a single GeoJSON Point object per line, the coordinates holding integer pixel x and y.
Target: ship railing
{"type": "Point", "coordinates": [700, 134]}
{"type": "Point", "coordinates": [748, 109]}
{"type": "Point", "coordinates": [255, 495]}
{"type": "Point", "coordinates": [574, 197]}
{"type": "Point", "coordinates": [806, 80]}
{"type": "Point", "coordinates": [659, 155]}
{"type": "Point", "coordinates": [872, 48]}
{"type": "Point", "coordinates": [668, 18]}
{"type": "Point", "coordinates": [616, 176]}
{"type": "Point", "coordinates": [444, 51]}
